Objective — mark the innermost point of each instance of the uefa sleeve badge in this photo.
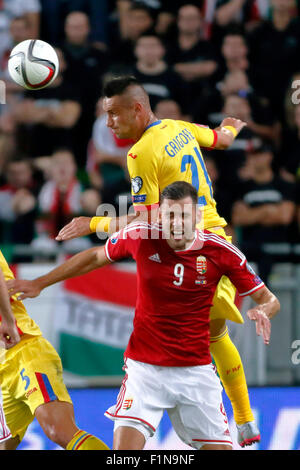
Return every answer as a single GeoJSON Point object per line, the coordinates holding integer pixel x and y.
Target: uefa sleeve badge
{"type": "Point", "coordinates": [136, 184]}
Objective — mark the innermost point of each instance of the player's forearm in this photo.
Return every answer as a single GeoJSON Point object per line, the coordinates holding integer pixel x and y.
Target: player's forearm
{"type": "Point", "coordinates": [114, 224]}
{"type": "Point", "coordinates": [266, 301]}
{"type": "Point", "coordinates": [78, 265]}
{"type": "Point", "coordinates": [227, 132]}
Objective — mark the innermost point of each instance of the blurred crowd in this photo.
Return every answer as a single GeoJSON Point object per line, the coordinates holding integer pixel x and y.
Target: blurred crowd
{"type": "Point", "coordinates": [199, 61]}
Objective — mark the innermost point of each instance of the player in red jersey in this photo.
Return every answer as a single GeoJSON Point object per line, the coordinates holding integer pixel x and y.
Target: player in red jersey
{"type": "Point", "coordinates": [167, 360]}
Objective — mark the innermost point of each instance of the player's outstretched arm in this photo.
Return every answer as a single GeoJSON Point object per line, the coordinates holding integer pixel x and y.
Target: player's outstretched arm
{"type": "Point", "coordinates": [267, 306]}
{"type": "Point", "coordinates": [78, 265]}
{"type": "Point", "coordinates": [8, 330]}
{"type": "Point", "coordinates": [82, 226]}
{"type": "Point", "coordinates": [227, 132]}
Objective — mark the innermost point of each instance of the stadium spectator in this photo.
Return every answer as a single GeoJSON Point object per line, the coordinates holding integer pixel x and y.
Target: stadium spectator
{"type": "Point", "coordinates": [261, 121]}
{"type": "Point", "coordinates": [274, 53]}
{"type": "Point", "coordinates": [233, 57]}
{"type": "Point", "coordinates": [232, 78]}
{"type": "Point", "coordinates": [289, 162]}
{"type": "Point", "coordinates": [235, 157]}
{"type": "Point", "coordinates": [80, 54]}
{"type": "Point", "coordinates": [264, 209]}
{"type": "Point", "coordinates": [245, 12]}
{"type": "Point", "coordinates": [222, 195]}
{"type": "Point", "coordinates": [19, 31]}
{"type": "Point", "coordinates": [18, 202]}
{"type": "Point", "coordinates": [10, 9]}
{"type": "Point", "coordinates": [47, 117]}
{"type": "Point", "coordinates": [159, 80]}
{"type": "Point", "coordinates": [107, 160]}
{"type": "Point", "coordinates": [54, 13]}
{"type": "Point", "coordinates": [191, 55]}
{"type": "Point", "coordinates": [290, 149]}
{"type": "Point", "coordinates": [234, 52]}
{"type": "Point", "coordinates": [135, 20]}
{"type": "Point", "coordinates": [14, 93]}
{"type": "Point", "coordinates": [169, 109]}
{"type": "Point", "coordinates": [8, 145]}
{"type": "Point", "coordinates": [62, 196]}
{"type": "Point", "coordinates": [86, 66]}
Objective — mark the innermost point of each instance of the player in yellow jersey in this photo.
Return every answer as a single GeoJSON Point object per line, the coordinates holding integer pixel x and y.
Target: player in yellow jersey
{"type": "Point", "coordinates": [167, 151]}
{"type": "Point", "coordinates": [32, 383]}
{"type": "Point", "coordinates": [9, 337]}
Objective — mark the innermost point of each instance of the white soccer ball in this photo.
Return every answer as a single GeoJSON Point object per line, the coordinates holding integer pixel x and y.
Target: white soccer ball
{"type": "Point", "coordinates": [33, 64]}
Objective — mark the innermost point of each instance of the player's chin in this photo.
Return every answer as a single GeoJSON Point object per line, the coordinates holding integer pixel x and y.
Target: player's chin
{"type": "Point", "coordinates": [119, 134]}
{"type": "Point", "coordinates": [177, 240]}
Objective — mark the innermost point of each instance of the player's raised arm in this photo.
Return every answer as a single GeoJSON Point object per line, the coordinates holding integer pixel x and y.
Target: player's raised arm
{"type": "Point", "coordinates": [267, 306]}
{"type": "Point", "coordinates": [227, 132]}
{"type": "Point", "coordinates": [8, 329]}
{"type": "Point", "coordinates": [82, 226]}
{"type": "Point", "coordinates": [219, 138]}
{"type": "Point", "coordinates": [78, 265]}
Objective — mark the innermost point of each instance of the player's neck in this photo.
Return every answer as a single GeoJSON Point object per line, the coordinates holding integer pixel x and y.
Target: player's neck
{"type": "Point", "coordinates": [151, 118]}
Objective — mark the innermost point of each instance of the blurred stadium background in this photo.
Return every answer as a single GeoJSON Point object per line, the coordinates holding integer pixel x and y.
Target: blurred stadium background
{"type": "Point", "coordinates": [199, 61]}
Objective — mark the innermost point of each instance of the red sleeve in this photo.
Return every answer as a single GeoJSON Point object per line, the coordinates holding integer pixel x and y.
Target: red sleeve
{"type": "Point", "coordinates": [118, 246]}
{"type": "Point", "coordinates": [239, 271]}
{"type": "Point", "coordinates": [126, 242]}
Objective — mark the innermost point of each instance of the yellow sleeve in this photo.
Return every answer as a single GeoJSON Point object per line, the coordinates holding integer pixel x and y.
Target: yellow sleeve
{"type": "Point", "coordinates": [143, 172]}
{"type": "Point", "coordinates": [205, 136]}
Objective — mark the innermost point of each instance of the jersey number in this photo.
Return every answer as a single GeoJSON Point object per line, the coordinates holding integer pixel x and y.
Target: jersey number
{"type": "Point", "coordinates": [25, 378]}
{"type": "Point", "coordinates": [178, 273]}
{"type": "Point", "coordinates": [191, 159]}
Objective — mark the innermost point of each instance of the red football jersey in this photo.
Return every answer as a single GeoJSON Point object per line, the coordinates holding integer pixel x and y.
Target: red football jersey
{"type": "Point", "coordinates": [175, 292]}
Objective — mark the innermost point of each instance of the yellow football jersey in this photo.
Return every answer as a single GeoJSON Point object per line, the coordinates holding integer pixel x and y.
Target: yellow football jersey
{"type": "Point", "coordinates": [25, 324]}
{"type": "Point", "coordinates": [169, 151]}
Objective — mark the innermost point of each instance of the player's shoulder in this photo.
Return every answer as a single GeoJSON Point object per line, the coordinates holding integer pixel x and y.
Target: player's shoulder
{"type": "Point", "coordinates": [140, 147]}
{"type": "Point", "coordinates": [221, 245]}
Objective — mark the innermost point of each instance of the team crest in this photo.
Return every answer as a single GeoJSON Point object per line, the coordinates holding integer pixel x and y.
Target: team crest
{"type": "Point", "coordinates": [127, 403]}
{"type": "Point", "coordinates": [201, 265]}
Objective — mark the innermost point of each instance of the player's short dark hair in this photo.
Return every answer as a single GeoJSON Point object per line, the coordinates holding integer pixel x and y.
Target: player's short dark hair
{"type": "Point", "coordinates": [117, 85]}
{"type": "Point", "coordinates": [179, 190]}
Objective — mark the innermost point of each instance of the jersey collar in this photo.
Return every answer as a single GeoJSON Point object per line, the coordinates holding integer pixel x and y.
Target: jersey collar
{"type": "Point", "coordinates": [155, 123]}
